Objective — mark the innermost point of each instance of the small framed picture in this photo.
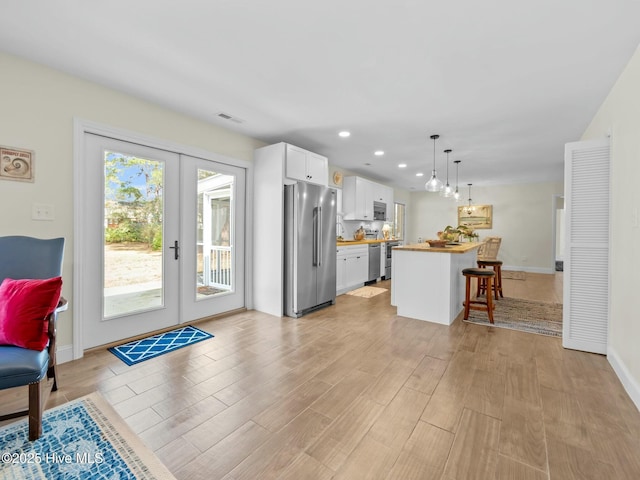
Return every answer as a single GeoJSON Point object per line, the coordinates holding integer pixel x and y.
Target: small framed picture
{"type": "Point", "coordinates": [16, 164]}
{"type": "Point", "coordinates": [476, 216]}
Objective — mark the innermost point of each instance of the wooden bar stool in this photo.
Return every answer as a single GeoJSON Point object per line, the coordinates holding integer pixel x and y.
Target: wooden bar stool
{"type": "Point", "coordinates": [497, 284]}
{"type": "Point", "coordinates": [481, 274]}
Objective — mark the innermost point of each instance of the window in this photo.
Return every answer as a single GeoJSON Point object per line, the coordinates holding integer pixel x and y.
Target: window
{"type": "Point", "coordinates": [398, 224]}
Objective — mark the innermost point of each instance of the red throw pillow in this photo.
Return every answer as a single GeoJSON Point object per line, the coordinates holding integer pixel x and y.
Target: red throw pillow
{"type": "Point", "coordinates": [24, 306]}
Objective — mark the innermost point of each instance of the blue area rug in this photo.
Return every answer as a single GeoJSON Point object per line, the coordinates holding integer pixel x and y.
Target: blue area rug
{"type": "Point", "coordinates": [83, 439]}
{"type": "Point", "coordinates": [151, 347]}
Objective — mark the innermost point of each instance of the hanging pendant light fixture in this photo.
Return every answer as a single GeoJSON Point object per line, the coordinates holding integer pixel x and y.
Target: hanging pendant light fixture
{"type": "Point", "coordinates": [447, 190]}
{"type": "Point", "coordinates": [456, 194]}
{"type": "Point", "coordinates": [434, 185]}
{"type": "Point", "coordinates": [470, 208]}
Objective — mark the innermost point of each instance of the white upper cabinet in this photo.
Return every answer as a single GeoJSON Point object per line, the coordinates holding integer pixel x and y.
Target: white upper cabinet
{"type": "Point", "coordinates": [306, 166]}
{"type": "Point", "coordinates": [357, 199]}
{"type": "Point", "coordinates": [318, 168]}
{"type": "Point", "coordinates": [358, 196]}
{"type": "Point", "coordinates": [384, 194]}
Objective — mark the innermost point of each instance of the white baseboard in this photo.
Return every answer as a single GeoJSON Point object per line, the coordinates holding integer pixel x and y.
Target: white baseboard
{"type": "Point", "coordinates": [517, 268]}
{"type": "Point", "coordinates": [629, 383]}
{"type": "Point", "coordinates": [64, 354]}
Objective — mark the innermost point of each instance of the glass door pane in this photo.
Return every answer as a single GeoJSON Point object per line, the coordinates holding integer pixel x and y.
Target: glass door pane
{"type": "Point", "coordinates": [133, 234]}
{"type": "Point", "coordinates": [215, 234]}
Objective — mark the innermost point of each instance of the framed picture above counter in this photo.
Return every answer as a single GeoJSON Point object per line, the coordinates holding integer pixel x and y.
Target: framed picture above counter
{"type": "Point", "coordinates": [476, 216]}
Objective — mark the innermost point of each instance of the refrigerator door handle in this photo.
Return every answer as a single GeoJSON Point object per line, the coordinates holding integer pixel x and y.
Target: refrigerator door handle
{"type": "Point", "coordinates": [315, 237]}
{"type": "Point", "coordinates": [319, 240]}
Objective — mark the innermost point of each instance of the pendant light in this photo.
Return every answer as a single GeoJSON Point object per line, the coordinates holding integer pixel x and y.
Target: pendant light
{"type": "Point", "coordinates": [434, 185]}
{"type": "Point", "coordinates": [470, 208]}
{"type": "Point", "coordinates": [447, 190]}
{"type": "Point", "coordinates": [456, 194]}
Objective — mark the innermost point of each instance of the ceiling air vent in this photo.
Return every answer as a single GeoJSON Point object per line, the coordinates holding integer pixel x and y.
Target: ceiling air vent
{"type": "Point", "coordinates": [231, 118]}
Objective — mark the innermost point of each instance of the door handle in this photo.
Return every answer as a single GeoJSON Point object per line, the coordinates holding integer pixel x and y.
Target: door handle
{"type": "Point", "coordinates": [320, 245]}
{"type": "Point", "coordinates": [176, 250]}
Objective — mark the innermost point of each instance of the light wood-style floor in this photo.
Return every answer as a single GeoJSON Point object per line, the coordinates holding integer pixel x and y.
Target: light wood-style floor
{"type": "Point", "coordinates": [355, 392]}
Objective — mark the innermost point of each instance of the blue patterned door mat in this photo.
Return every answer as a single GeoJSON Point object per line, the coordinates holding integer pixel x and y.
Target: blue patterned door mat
{"type": "Point", "coordinates": [151, 347]}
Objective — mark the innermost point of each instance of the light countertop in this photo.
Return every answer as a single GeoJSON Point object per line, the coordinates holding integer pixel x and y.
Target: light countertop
{"type": "Point", "coordinates": [424, 247]}
{"type": "Point", "coordinates": [361, 242]}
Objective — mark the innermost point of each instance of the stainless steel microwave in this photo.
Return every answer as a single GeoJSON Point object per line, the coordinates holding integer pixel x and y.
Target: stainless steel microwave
{"type": "Point", "coordinates": [379, 211]}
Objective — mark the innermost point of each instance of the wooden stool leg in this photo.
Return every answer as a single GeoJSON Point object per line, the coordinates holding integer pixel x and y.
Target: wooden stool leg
{"type": "Point", "coordinates": [467, 295]}
{"type": "Point", "coordinates": [481, 283]}
{"type": "Point", "coordinates": [489, 299]}
{"type": "Point", "coordinates": [499, 280]}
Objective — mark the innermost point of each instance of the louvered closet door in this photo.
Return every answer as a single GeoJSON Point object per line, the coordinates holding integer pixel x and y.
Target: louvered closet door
{"type": "Point", "coordinates": [586, 267]}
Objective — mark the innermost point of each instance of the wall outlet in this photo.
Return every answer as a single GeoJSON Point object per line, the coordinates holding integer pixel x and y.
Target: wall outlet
{"type": "Point", "coordinates": [42, 211]}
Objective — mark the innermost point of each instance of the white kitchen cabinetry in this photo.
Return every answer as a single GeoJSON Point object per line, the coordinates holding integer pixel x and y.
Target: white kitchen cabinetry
{"type": "Point", "coordinates": [384, 194]}
{"type": "Point", "coordinates": [274, 166]}
{"type": "Point", "coordinates": [383, 258]}
{"type": "Point", "coordinates": [358, 197]}
{"type": "Point", "coordinates": [352, 267]}
{"type": "Point", "coordinates": [306, 166]}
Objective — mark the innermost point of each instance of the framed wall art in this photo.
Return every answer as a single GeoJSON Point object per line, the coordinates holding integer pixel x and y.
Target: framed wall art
{"type": "Point", "coordinates": [16, 164]}
{"type": "Point", "coordinates": [477, 217]}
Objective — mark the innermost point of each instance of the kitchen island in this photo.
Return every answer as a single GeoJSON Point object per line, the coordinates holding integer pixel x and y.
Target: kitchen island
{"type": "Point", "coordinates": [427, 282]}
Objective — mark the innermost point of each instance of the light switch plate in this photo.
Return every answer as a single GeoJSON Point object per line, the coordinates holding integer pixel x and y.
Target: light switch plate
{"type": "Point", "coordinates": [42, 211]}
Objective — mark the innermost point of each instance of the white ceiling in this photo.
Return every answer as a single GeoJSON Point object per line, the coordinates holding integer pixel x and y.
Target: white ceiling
{"type": "Point", "coordinates": [506, 84]}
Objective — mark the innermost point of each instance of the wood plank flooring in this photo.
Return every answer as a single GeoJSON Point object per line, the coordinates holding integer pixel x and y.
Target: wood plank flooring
{"type": "Point", "coordinates": [355, 392]}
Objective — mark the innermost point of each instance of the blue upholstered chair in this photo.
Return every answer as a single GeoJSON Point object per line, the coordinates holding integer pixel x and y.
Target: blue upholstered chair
{"type": "Point", "coordinates": [31, 258]}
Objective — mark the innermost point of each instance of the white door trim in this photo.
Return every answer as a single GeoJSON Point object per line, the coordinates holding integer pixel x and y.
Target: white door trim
{"type": "Point", "coordinates": [82, 126]}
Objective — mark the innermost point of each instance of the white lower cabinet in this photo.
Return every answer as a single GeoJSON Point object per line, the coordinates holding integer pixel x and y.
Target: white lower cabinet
{"type": "Point", "coordinates": [352, 267]}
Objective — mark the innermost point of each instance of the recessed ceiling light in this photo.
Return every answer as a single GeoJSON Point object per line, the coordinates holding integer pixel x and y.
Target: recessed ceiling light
{"type": "Point", "coordinates": [419, 174]}
{"type": "Point", "coordinates": [402, 165]}
{"type": "Point", "coordinates": [378, 153]}
{"type": "Point", "coordinates": [344, 134]}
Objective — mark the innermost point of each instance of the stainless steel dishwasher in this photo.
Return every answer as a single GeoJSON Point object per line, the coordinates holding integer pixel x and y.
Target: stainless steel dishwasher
{"type": "Point", "coordinates": [374, 261]}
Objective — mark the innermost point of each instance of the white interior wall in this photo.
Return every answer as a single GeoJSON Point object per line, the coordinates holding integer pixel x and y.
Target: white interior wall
{"type": "Point", "coordinates": [619, 116]}
{"type": "Point", "coordinates": [522, 216]}
{"type": "Point", "coordinates": [39, 105]}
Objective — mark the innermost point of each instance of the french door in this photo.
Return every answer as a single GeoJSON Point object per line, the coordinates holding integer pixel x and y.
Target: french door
{"type": "Point", "coordinates": [163, 239]}
{"type": "Point", "coordinates": [213, 235]}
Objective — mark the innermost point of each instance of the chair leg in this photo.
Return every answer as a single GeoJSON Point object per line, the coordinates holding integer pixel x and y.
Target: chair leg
{"type": "Point", "coordinates": [35, 411]}
{"type": "Point", "coordinates": [52, 373]}
{"type": "Point", "coordinates": [490, 299]}
{"type": "Point", "coordinates": [499, 280]}
{"type": "Point", "coordinates": [467, 295]}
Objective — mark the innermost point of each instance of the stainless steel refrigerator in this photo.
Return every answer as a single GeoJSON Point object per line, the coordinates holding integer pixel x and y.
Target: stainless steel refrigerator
{"type": "Point", "coordinates": [309, 248]}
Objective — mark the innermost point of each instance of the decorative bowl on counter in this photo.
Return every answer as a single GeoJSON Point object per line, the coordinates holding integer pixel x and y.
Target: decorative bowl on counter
{"type": "Point", "coordinates": [437, 243]}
